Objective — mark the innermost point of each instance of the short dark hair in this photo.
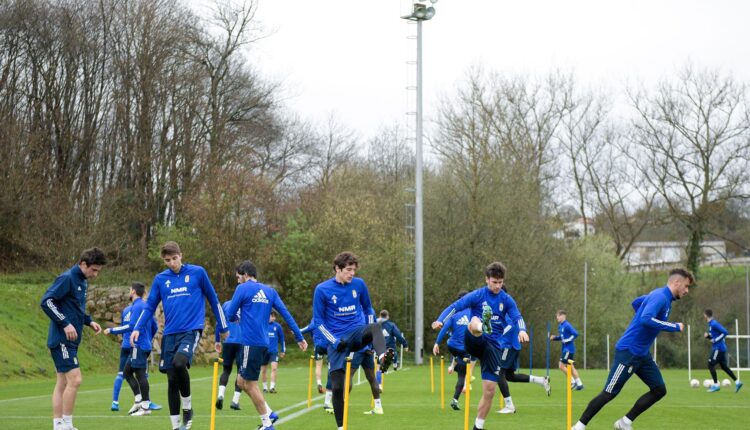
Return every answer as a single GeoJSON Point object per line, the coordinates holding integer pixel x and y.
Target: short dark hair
{"type": "Point", "coordinates": [461, 294]}
{"type": "Point", "coordinates": [93, 256]}
{"type": "Point", "coordinates": [345, 259]}
{"type": "Point", "coordinates": [139, 288]}
{"type": "Point", "coordinates": [679, 271]}
{"type": "Point", "coordinates": [562, 312]}
{"type": "Point", "coordinates": [170, 248]}
{"type": "Point", "coordinates": [709, 313]}
{"type": "Point", "coordinates": [274, 314]}
{"type": "Point", "coordinates": [384, 314]}
{"type": "Point", "coordinates": [247, 268]}
{"type": "Point", "coordinates": [495, 270]}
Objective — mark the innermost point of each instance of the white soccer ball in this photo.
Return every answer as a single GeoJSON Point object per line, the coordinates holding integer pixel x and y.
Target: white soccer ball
{"type": "Point", "coordinates": [707, 383]}
{"type": "Point", "coordinates": [726, 383]}
{"type": "Point", "coordinates": [695, 383]}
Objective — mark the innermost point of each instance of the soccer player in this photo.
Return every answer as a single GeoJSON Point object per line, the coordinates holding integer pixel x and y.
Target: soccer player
{"type": "Point", "coordinates": [632, 355]}
{"type": "Point", "coordinates": [231, 352]}
{"type": "Point", "coordinates": [392, 336]}
{"type": "Point", "coordinates": [456, 326]}
{"type": "Point", "coordinates": [65, 304]}
{"type": "Point", "coordinates": [181, 289]}
{"type": "Point", "coordinates": [339, 308]}
{"type": "Point", "coordinates": [254, 301]}
{"type": "Point", "coordinates": [489, 306]}
{"type": "Point", "coordinates": [509, 364]}
{"type": "Point", "coordinates": [275, 338]}
{"type": "Point", "coordinates": [716, 334]}
{"type": "Point", "coordinates": [567, 334]}
{"type": "Point", "coordinates": [320, 351]}
{"type": "Point", "coordinates": [137, 290]}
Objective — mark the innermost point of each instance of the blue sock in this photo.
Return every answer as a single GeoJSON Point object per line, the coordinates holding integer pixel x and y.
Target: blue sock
{"type": "Point", "coordinates": [116, 388]}
{"type": "Point", "coordinates": [379, 377]}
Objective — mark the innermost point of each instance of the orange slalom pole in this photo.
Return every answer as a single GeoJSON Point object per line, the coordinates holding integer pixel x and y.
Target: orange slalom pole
{"type": "Point", "coordinates": [309, 383]}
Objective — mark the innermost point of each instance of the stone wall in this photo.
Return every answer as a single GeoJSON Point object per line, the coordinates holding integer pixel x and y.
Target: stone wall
{"type": "Point", "coordinates": [105, 304]}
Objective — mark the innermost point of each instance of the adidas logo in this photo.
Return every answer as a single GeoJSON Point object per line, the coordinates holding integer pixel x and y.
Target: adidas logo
{"type": "Point", "coordinates": [260, 297]}
{"type": "Point", "coordinates": [464, 320]}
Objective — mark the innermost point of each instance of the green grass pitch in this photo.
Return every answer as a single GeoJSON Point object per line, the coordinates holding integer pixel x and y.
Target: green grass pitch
{"type": "Point", "coordinates": [407, 401]}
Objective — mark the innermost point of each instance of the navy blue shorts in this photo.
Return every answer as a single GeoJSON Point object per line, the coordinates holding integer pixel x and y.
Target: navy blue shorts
{"type": "Point", "coordinates": [488, 355]}
{"type": "Point", "coordinates": [231, 353]}
{"type": "Point", "coordinates": [252, 357]}
{"type": "Point", "coordinates": [364, 359]}
{"type": "Point", "coordinates": [567, 356]}
{"type": "Point", "coordinates": [320, 351]}
{"type": "Point", "coordinates": [124, 356]}
{"type": "Point", "coordinates": [270, 357]}
{"type": "Point", "coordinates": [139, 358]}
{"type": "Point", "coordinates": [65, 357]}
{"type": "Point", "coordinates": [353, 339]}
{"type": "Point", "coordinates": [183, 343]}
{"type": "Point", "coordinates": [509, 358]}
{"type": "Point", "coordinates": [625, 365]}
{"type": "Point", "coordinates": [717, 357]}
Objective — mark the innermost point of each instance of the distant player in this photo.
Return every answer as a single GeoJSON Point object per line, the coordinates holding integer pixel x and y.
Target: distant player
{"type": "Point", "coordinates": [489, 306]}
{"type": "Point", "coordinates": [231, 352]}
{"type": "Point", "coordinates": [124, 330]}
{"type": "Point", "coordinates": [254, 302]}
{"type": "Point", "coordinates": [274, 353]}
{"type": "Point", "coordinates": [320, 351]}
{"type": "Point", "coordinates": [392, 335]}
{"type": "Point", "coordinates": [64, 302]}
{"type": "Point", "coordinates": [339, 308]}
{"type": "Point", "coordinates": [716, 334]}
{"type": "Point", "coordinates": [567, 335]}
{"type": "Point", "coordinates": [632, 351]}
{"type": "Point", "coordinates": [456, 326]}
{"type": "Point", "coordinates": [182, 290]}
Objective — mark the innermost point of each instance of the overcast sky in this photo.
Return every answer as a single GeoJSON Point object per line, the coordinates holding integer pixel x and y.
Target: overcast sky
{"type": "Point", "coordinates": [349, 56]}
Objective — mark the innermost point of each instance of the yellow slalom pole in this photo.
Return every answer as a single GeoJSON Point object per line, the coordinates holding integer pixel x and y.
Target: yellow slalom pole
{"type": "Point", "coordinates": [214, 388]}
{"type": "Point", "coordinates": [442, 382]}
{"type": "Point", "coordinates": [347, 383]}
{"type": "Point", "coordinates": [309, 383]}
{"type": "Point", "coordinates": [375, 366]}
{"type": "Point", "coordinates": [432, 375]}
{"type": "Point", "coordinates": [467, 384]}
{"type": "Point", "coordinates": [570, 395]}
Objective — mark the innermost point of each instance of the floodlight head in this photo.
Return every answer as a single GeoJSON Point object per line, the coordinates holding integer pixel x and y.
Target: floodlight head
{"type": "Point", "coordinates": [429, 12]}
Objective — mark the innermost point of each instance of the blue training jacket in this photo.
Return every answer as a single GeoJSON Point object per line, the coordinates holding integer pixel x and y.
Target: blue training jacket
{"type": "Point", "coordinates": [509, 339]}
{"type": "Point", "coordinates": [340, 308]}
{"type": "Point", "coordinates": [254, 302]}
{"type": "Point", "coordinates": [651, 317]}
{"type": "Point", "coordinates": [276, 337]}
{"type": "Point", "coordinates": [64, 302]}
{"type": "Point", "coordinates": [502, 304]}
{"type": "Point", "coordinates": [718, 334]}
{"type": "Point", "coordinates": [457, 325]}
{"type": "Point", "coordinates": [392, 335]}
{"type": "Point", "coordinates": [126, 328]}
{"type": "Point", "coordinates": [235, 331]}
{"type": "Point", "coordinates": [567, 335]}
{"type": "Point", "coordinates": [129, 316]}
{"type": "Point", "coordinates": [318, 338]}
{"type": "Point", "coordinates": [181, 295]}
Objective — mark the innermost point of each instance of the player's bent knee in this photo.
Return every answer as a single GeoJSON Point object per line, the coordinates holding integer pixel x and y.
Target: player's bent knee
{"type": "Point", "coordinates": [180, 361]}
{"type": "Point", "coordinates": [660, 391]}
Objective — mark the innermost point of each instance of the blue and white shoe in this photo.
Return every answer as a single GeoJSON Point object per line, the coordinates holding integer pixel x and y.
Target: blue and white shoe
{"type": "Point", "coordinates": [737, 386]}
{"type": "Point", "coordinates": [273, 417]}
{"type": "Point", "coordinates": [115, 407]}
{"type": "Point", "coordinates": [154, 406]}
{"type": "Point", "coordinates": [578, 387]}
{"type": "Point", "coordinates": [714, 388]}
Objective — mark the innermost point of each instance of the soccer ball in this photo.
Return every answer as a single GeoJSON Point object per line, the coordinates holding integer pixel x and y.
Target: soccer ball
{"type": "Point", "coordinates": [726, 383]}
{"type": "Point", "coordinates": [707, 383]}
{"type": "Point", "coordinates": [695, 383]}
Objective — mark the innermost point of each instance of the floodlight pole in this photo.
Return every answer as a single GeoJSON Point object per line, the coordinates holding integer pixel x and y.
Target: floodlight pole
{"type": "Point", "coordinates": [419, 232]}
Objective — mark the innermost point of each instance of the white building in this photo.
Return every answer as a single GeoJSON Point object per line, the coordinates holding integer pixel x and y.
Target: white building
{"type": "Point", "coordinates": [575, 229]}
{"type": "Point", "coordinates": [653, 255]}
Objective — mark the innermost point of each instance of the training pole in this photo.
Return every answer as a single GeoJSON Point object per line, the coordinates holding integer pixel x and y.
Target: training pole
{"type": "Point", "coordinates": [569, 389]}
{"type": "Point", "coordinates": [309, 383]}
{"type": "Point", "coordinates": [467, 384]}
{"type": "Point", "coordinates": [548, 347]}
{"type": "Point", "coordinates": [531, 349]}
{"type": "Point", "coordinates": [401, 359]}
{"type": "Point", "coordinates": [347, 384]}
{"type": "Point", "coordinates": [442, 382]}
{"type": "Point", "coordinates": [214, 388]}
{"type": "Point", "coordinates": [690, 369]}
{"type": "Point", "coordinates": [432, 375]}
{"type": "Point", "coordinates": [607, 350]}
{"type": "Point", "coordinates": [737, 344]}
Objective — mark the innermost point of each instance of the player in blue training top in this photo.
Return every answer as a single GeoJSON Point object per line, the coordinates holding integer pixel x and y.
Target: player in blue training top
{"type": "Point", "coordinates": [320, 350]}
{"type": "Point", "coordinates": [181, 289]}
{"type": "Point", "coordinates": [254, 301]}
{"type": "Point", "coordinates": [392, 336]}
{"type": "Point", "coordinates": [64, 302]}
{"type": "Point", "coordinates": [632, 350]}
{"type": "Point", "coordinates": [489, 307]}
{"type": "Point", "coordinates": [129, 315]}
{"type": "Point", "coordinates": [231, 352]}
{"type": "Point", "coordinates": [509, 364]}
{"type": "Point", "coordinates": [339, 308]}
{"type": "Point", "coordinates": [567, 334]}
{"type": "Point", "coordinates": [275, 338]}
{"type": "Point", "coordinates": [716, 334]}
{"type": "Point", "coordinates": [456, 327]}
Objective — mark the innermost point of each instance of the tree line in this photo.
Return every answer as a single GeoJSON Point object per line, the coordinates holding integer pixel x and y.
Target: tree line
{"type": "Point", "coordinates": [125, 124]}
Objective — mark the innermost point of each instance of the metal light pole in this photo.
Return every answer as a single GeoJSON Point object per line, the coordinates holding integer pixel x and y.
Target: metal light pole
{"type": "Point", "coordinates": [585, 307]}
{"type": "Point", "coordinates": [419, 13]}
